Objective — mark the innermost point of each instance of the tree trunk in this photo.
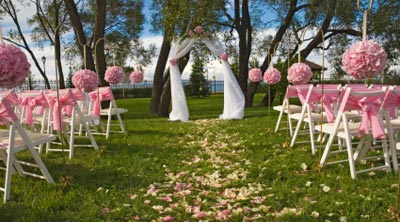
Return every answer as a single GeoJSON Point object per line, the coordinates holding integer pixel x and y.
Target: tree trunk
{"type": "Point", "coordinates": [163, 109]}
{"type": "Point", "coordinates": [80, 34]}
{"type": "Point", "coordinates": [158, 76]}
{"type": "Point", "coordinates": [243, 27]}
{"type": "Point", "coordinates": [100, 23]}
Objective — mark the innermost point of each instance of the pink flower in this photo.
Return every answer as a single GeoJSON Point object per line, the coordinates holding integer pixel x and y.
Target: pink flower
{"type": "Point", "coordinates": [173, 62]}
{"type": "Point", "coordinates": [137, 218]}
{"type": "Point", "coordinates": [105, 210]}
{"type": "Point", "coordinates": [168, 218]}
{"type": "Point", "coordinates": [14, 66]}
{"type": "Point", "coordinates": [255, 75]}
{"type": "Point", "coordinates": [224, 57]}
{"type": "Point", "coordinates": [136, 77]}
{"type": "Point", "coordinates": [365, 59]}
{"type": "Point", "coordinates": [166, 198]}
{"type": "Point", "coordinates": [86, 79]}
{"type": "Point", "coordinates": [114, 75]}
{"type": "Point", "coordinates": [198, 29]}
{"type": "Point", "coordinates": [200, 214]}
{"type": "Point", "coordinates": [299, 73]}
{"type": "Point", "coordinates": [191, 33]}
{"type": "Point", "coordinates": [272, 76]}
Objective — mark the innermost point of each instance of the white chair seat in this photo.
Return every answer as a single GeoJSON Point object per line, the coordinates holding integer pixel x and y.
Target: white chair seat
{"type": "Point", "coordinates": [292, 108]}
{"type": "Point", "coordinates": [114, 111]}
{"type": "Point", "coordinates": [36, 138]}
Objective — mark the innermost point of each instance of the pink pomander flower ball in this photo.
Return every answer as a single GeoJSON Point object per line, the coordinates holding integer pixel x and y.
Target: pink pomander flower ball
{"type": "Point", "coordinates": [198, 29]}
{"type": "Point", "coordinates": [224, 57]}
{"type": "Point", "coordinates": [114, 75]}
{"type": "Point", "coordinates": [299, 73]}
{"type": "Point", "coordinates": [14, 66]}
{"type": "Point", "coordinates": [272, 76]}
{"type": "Point", "coordinates": [365, 59]}
{"type": "Point", "coordinates": [86, 79]}
{"type": "Point", "coordinates": [136, 77]}
{"type": "Point", "coordinates": [255, 75]}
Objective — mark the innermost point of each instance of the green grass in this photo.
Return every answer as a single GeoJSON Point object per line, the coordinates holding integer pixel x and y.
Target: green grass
{"type": "Point", "coordinates": [158, 152]}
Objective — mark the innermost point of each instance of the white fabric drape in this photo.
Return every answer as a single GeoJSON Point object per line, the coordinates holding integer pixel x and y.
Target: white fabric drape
{"type": "Point", "coordinates": [233, 97]}
{"type": "Point", "coordinates": [179, 110]}
{"type": "Point", "coordinates": [234, 101]}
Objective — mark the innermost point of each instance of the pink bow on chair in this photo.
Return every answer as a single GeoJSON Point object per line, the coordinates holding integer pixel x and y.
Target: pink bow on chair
{"type": "Point", "coordinates": [6, 112]}
{"type": "Point", "coordinates": [67, 100]}
{"type": "Point", "coordinates": [327, 102]}
{"type": "Point", "coordinates": [30, 103]}
{"type": "Point", "coordinates": [98, 97]}
{"type": "Point", "coordinates": [370, 107]}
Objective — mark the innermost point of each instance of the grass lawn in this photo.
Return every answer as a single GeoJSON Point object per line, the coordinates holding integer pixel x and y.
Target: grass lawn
{"type": "Point", "coordinates": [202, 170]}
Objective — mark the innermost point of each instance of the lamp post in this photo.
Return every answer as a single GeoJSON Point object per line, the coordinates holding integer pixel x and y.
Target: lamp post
{"type": "Point", "coordinates": [44, 68]}
{"type": "Point", "coordinates": [215, 84]}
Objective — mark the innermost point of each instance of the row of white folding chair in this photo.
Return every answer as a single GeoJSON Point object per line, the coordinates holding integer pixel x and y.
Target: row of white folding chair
{"type": "Point", "coordinates": [370, 128]}
{"type": "Point", "coordinates": [316, 98]}
{"type": "Point", "coordinates": [15, 140]}
{"type": "Point", "coordinates": [287, 109]}
{"type": "Point", "coordinates": [68, 125]}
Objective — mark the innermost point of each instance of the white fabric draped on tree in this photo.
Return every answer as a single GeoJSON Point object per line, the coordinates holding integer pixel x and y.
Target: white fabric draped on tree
{"type": "Point", "coordinates": [233, 97]}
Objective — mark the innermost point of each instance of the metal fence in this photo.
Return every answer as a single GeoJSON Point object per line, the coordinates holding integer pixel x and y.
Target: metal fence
{"type": "Point", "coordinates": [215, 86]}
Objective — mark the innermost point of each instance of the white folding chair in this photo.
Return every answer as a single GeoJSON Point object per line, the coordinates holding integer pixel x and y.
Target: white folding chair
{"type": "Point", "coordinates": [68, 124]}
{"type": "Point", "coordinates": [367, 102]}
{"type": "Point", "coordinates": [105, 94]}
{"type": "Point", "coordinates": [287, 108]}
{"type": "Point", "coordinates": [389, 107]}
{"type": "Point", "coordinates": [319, 98]}
{"type": "Point", "coordinates": [15, 140]}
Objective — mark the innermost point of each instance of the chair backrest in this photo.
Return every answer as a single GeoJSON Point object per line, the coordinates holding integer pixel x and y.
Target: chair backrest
{"type": "Point", "coordinates": [368, 102]}
{"type": "Point", "coordinates": [102, 94]}
{"type": "Point", "coordinates": [30, 101]}
{"type": "Point", "coordinates": [11, 97]}
{"type": "Point", "coordinates": [66, 98]}
{"type": "Point", "coordinates": [7, 114]}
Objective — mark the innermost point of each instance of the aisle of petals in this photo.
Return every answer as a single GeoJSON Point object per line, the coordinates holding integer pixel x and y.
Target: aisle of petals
{"type": "Point", "coordinates": [213, 183]}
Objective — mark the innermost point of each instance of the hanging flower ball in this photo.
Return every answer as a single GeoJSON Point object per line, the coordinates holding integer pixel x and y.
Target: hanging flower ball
{"type": "Point", "coordinates": [199, 32]}
{"type": "Point", "coordinates": [299, 73]}
{"type": "Point", "coordinates": [224, 57]}
{"type": "Point", "coordinates": [136, 77]}
{"type": "Point", "coordinates": [255, 75]}
{"type": "Point", "coordinates": [114, 75]}
{"type": "Point", "coordinates": [365, 59]}
{"type": "Point", "coordinates": [272, 76]}
{"type": "Point", "coordinates": [86, 79]}
{"type": "Point", "coordinates": [14, 66]}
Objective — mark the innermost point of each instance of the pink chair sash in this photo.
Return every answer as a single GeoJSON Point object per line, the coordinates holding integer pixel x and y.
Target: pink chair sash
{"type": "Point", "coordinates": [370, 107]}
{"type": "Point", "coordinates": [6, 112]}
{"type": "Point", "coordinates": [98, 97]}
{"type": "Point", "coordinates": [391, 102]}
{"type": "Point", "coordinates": [67, 99]}
{"type": "Point", "coordinates": [328, 98]}
{"type": "Point", "coordinates": [11, 97]}
{"type": "Point", "coordinates": [30, 103]}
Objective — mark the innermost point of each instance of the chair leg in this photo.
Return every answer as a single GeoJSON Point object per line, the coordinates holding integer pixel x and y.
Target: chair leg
{"type": "Point", "coordinates": [108, 125]}
{"type": "Point", "coordinates": [279, 121]}
{"type": "Point", "coordinates": [350, 158]}
{"type": "Point", "coordinates": [121, 124]}
{"type": "Point", "coordinates": [90, 135]}
{"type": "Point", "coordinates": [327, 149]}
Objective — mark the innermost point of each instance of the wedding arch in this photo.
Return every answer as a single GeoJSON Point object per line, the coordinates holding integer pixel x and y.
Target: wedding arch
{"type": "Point", "coordinates": [233, 96]}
